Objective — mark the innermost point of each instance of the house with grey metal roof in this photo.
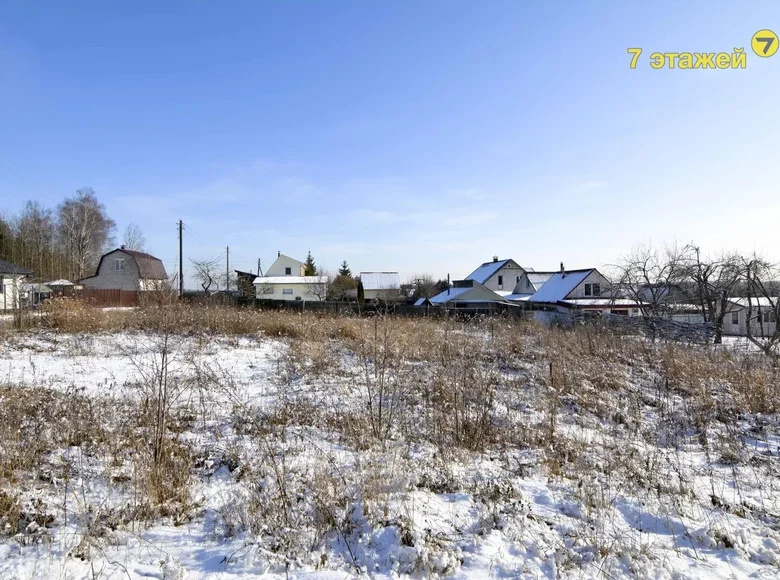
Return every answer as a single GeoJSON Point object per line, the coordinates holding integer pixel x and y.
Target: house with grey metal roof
{"type": "Point", "coordinates": [12, 278]}
{"type": "Point", "coordinates": [467, 294]}
{"type": "Point", "coordinates": [500, 276]}
{"type": "Point", "coordinates": [583, 290]}
{"type": "Point", "coordinates": [528, 284]}
{"type": "Point", "coordinates": [124, 269]}
{"type": "Point", "coordinates": [380, 286]}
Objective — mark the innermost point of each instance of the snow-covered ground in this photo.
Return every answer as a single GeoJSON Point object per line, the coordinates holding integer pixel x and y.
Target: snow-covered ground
{"type": "Point", "coordinates": [282, 480]}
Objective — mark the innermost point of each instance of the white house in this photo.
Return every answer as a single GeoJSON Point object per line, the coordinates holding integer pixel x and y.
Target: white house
{"type": "Point", "coordinates": [500, 276]}
{"type": "Point", "coordinates": [11, 280]}
{"type": "Point", "coordinates": [762, 317]}
{"type": "Point", "coordinates": [385, 286]}
{"type": "Point", "coordinates": [583, 290]}
{"type": "Point", "coordinates": [285, 280]}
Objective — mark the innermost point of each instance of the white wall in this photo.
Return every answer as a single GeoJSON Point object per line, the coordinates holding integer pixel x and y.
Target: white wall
{"type": "Point", "coordinates": [740, 329]}
{"type": "Point", "coordinates": [11, 289]}
{"type": "Point", "coordinates": [510, 273]}
{"type": "Point", "coordinates": [593, 278]}
{"type": "Point", "coordinates": [278, 268]}
{"type": "Point", "coordinates": [297, 291]}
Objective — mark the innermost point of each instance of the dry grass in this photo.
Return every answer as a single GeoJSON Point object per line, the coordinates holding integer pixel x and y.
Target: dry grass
{"type": "Point", "coordinates": [528, 397]}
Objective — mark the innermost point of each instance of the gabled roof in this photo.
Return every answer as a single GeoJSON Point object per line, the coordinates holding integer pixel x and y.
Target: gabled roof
{"type": "Point", "coordinates": [531, 282]}
{"type": "Point", "coordinates": [479, 293]}
{"type": "Point", "coordinates": [286, 257]}
{"type": "Point", "coordinates": [486, 270]}
{"type": "Point", "coordinates": [380, 280]}
{"type": "Point", "coordinates": [9, 268]}
{"type": "Point", "coordinates": [538, 279]}
{"type": "Point", "coordinates": [559, 286]}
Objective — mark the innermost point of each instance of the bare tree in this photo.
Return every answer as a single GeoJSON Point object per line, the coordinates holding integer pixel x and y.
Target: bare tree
{"type": "Point", "coordinates": [36, 230]}
{"type": "Point", "coordinates": [209, 273]}
{"type": "Point", "coordinates": [134, 238]}
{"type": "Point", "coordinates": [84, 230]}
{"type": "Point", "coordinates": [424, 286]}
{"type": "Point", "coordinates": [714, 282]}
{"type": "Point", "coordinates": [763, 306]}
{"type": "Point", "coordinates": [319, 289]}
{"type": "Point", "coordinates": [651, 277]}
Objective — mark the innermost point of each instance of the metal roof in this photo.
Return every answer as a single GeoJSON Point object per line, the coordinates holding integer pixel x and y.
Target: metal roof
{"type": "Point", "coordinates": [486, 270]}
{"type": "Point", "coordinates": [539, 278]}
{"type": "Point", "coordinates": [446, 296]}
{"type": "Point", "coordinates": [9, 268]}
{"type": "Point", "coordinates": [559, 286]}
{"type": "Point", "coordinates": [149, 267]}
{"type": "Point", "coordinates": [380, 280]}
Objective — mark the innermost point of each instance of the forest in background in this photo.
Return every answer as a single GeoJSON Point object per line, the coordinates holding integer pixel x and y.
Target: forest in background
{"type": "Point", "coordinates": [62, 242]}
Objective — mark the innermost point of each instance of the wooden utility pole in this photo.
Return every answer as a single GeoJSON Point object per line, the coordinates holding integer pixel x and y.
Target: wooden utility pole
{"type": "Point", "coordinates": [181, 261]}
{"type": "Point", "coordinates": [227, 270]}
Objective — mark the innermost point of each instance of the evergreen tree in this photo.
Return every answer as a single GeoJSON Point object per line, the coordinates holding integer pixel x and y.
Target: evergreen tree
{"type": "Point", "coordinates": [344, 270]}
{"type": "Point", "coordinates": [310, 267]}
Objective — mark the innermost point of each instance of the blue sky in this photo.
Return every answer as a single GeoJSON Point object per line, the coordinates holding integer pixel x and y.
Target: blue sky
{"type": "Point", "coordinates": [409, 136]}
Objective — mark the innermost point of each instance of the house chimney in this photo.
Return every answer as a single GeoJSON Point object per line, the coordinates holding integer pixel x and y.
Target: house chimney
{"type": "Point", "coordinates": [278, 254]}
{"type": "Point", "coordinates": [448, 284]}
{"type": "Point", "coordinates": [122, 247]}
{"type": "Point", "coordinates": [495, 258]}
{"type": "Point", "coordinates": [563, 271]}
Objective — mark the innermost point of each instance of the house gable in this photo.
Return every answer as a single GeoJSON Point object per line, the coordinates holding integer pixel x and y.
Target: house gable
{"type": "Point", "coordinates": [530, 282]}
{"type": "Point", "coordinates": [122, 269]}
{"type": "Point", "coordinates": [498, 275]}
{"type": "Point", "coordinates": [286, 266]}
{"type": "Point", "coordinates": [597, 282]}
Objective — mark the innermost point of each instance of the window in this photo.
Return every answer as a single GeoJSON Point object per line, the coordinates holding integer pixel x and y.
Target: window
{"type": "Point", "coordinates": [592, 289]}
{"type": "Point", "coordinates": [287, 290]}
{"type": "Point", "coordinates": [735, 318]}
{"type": "Point", "coordinates": [517, 279]}
{"type": "Point", "coordinates": [267, 289]}
{"type": "Point", "coordinates": [527, 283]}
{"type": "Point", "coordinates": [119, 265]}
{"type": "Point", "coordinates": [500, 282]}
{"type": "Point", "coordinates": [769, 316]}
{"type": "Point", "coordinates": [287, 271]}
{"type": "Point", "coordinates": [2, 285]}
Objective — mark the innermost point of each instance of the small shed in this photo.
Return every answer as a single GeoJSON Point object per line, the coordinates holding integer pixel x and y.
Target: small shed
{"type": "Point", "coordinates": [384, 286]}
{"type": "Point", "coordinates": [35, 294]}
{"type": "Point", "coordinates": [61, 287]}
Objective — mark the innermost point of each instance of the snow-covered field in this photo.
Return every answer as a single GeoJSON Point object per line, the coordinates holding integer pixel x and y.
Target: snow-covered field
{"type": "Point", "coordinates": [291, 458]}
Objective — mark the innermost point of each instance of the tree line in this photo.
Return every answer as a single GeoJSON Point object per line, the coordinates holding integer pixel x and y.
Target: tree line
{"type": "Point", "coordinates": [65, 241]}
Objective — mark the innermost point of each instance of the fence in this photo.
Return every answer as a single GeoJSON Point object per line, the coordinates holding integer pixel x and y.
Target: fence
{"type": "Point", "coordinates": [398, 309]}
{"type": "Point", "coordinates": [652, 327]}
{"type": "Point", "coordinates": [107, 298]}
